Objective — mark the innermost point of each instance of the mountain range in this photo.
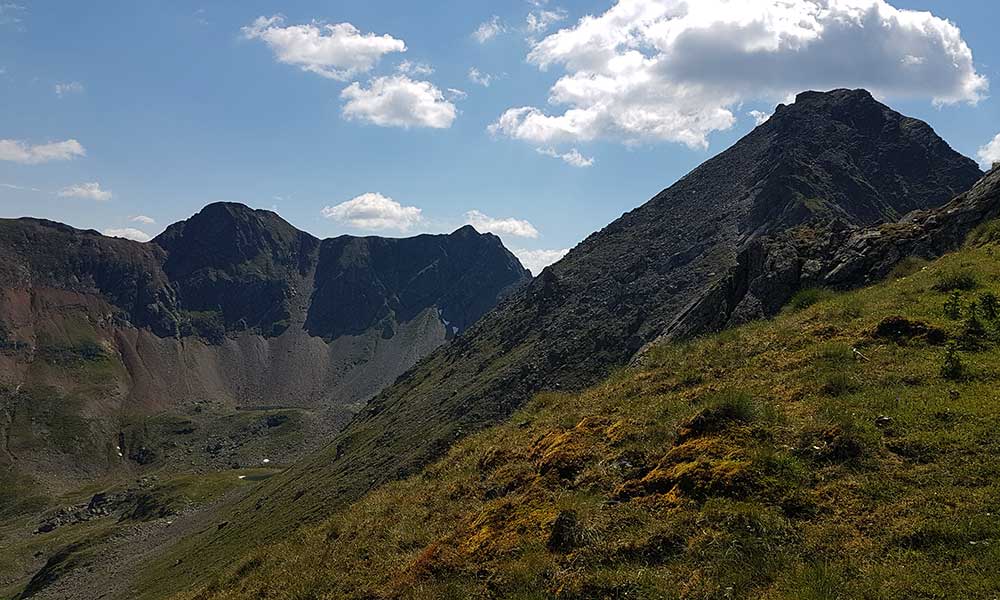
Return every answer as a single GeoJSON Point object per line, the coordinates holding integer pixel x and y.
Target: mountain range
{"type": "Point", "coordinates": [229, 319]}
{"type": "Point", "coordinates": [234, 338]}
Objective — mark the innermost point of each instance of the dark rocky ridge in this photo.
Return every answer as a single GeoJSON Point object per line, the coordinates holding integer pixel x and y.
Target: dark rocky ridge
{"type": "Point", "coordinates": [661, 268]}
{"type": "Point", "coordinates": [231, 268]}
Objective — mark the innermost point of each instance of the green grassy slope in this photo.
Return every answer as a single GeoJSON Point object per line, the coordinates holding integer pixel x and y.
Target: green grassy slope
{"type": "Point", "coordinates": [846, 449]}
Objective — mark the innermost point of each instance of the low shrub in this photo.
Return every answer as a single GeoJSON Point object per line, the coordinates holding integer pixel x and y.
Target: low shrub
{"type": "Point", "coordinates": [803, 299]}
{"type": "Point", "coordinates": [911, 265]}
{"type": "Point", "coordinates": [953, 306]}
{"type": "Point", "coordinates": [952, 367]}
{"type": "Point", "coordinates": [959, 279]}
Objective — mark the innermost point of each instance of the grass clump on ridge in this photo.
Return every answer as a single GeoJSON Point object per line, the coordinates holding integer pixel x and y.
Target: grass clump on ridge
{"type": "Point", "coordinates": [824, 454]}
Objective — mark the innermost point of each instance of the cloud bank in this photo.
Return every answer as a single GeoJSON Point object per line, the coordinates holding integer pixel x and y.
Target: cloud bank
{"type": "Point", "coordinates": [674, 70]}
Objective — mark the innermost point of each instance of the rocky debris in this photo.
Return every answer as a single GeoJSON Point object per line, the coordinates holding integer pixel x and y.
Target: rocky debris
{"type": "Point", "coordinates": [834, 254]}
{"type": "Point", "coordinates": [105, 504]}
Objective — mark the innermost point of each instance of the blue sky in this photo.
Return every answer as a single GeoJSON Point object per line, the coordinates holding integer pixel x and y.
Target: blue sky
{"type": "Point", "coordinates": [113, 110]}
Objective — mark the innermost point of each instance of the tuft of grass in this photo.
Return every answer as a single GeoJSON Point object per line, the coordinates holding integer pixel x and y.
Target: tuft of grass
{"type": "Point", "coordinates": [839, 384]}
{"type": "Point", "coordinates": [984, 234]}
{"type": "Point", "coordinates": [911, 265]}
{"type": "Point", "coordinates": [803, 299]}
{"type": "Point", "coordinates": [957, 279]}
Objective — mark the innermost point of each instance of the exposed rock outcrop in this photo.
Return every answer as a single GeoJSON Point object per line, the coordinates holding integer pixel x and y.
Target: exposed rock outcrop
{"type": "Point", "coordinates": [837, 255]}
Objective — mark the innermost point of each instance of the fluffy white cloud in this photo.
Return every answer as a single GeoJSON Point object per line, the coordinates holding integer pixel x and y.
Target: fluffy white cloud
{"type": "Point", "coordinates": [489, 30]}
{"type": "Point", "coordinates": [72, 87]}
{"type": "Point", "coordinates": [990, 153]}
{"type": "Point", "coordinates": [572, 158]}
{"type": "Point", "coordinates": [414, 68]}
{"type": "Point", "coordinates": [507, 226]}
{"type": "Point", "coordinates": [337, 51]}
{"type": "Point", "coordinates": [539, 21]}
{"type": "Point", "coordinates": [87, 191]}
{"type": "Point", "coordinates": [398, 101]}
{"type": "Point", "coordinates": [672, 70]}
{"type": "Point", "coordinates": [479, 78]}
{"type": "Point", "coordinates": [759, 117]}
{"type": "Point", "coordinates": [129, 233]}
{"type": "Point", "coordinates": [26, 154]}
{"type": "Point", "coordinates": [374, 211]}
{"type": "Point", "coordinates": [536, 260]}
{"type": "Point", "coordinates": [143, 219]}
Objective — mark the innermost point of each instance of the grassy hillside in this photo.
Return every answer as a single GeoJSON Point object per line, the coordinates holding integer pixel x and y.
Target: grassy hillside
{"type": "Point", "coordinates": [846, 449]}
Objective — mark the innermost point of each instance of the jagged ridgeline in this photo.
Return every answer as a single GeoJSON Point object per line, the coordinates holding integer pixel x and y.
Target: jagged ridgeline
{"type": "Point", "coordinates": [679, 265]}
{"type": "Point", "coordinates": [230, 338]}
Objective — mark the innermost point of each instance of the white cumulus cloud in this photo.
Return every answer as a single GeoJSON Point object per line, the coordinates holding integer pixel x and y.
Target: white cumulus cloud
{"type": "Point", "coordinates": [759, 117]}
{"type": "Point", "coordinates": [539, 21]}
{"type": "Point", "coordinates": [990, 153]}
{"type": "Point", "coordinates": [398, 101]}
{"type": "Point", "coordinates": [374, 211]}
{"type": "Point", "coordinates": [338, 51]}
{"type": "Point", "coordinates": [87, 191]}
{"type": "Point", "coordinates": [143, 219]}
{"type": "Point", "coordinates": [414, 68]}
{"type": "Point", "coordinates": [674, 70]}
{"type": "Point", "coordinates": [27, 154]}
{"type": "Point", "coordinates": [505, 226]}
{"type": "Point", "coordinates": [572, 158]}
{"type": "Point", "coordinates": [479, 78]}
{"type": "Point", "coordinates": [488, 30]}
{"type": "Point", "coordinates": [536, 260]}
{"type": "Point", "coordinates": [129, 233]}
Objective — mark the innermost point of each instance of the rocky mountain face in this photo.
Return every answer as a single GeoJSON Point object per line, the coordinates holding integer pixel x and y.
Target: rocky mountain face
{"type": "Point", "coordinates": [677, 265]}
{"type": "Point", "coordinates": [836, 255]}
{"type": "Point", "coordinates": [231, 310]}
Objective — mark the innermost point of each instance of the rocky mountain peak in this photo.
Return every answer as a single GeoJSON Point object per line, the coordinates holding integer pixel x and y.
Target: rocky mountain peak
{"type": "Point", "coordinates": [224, 234]}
